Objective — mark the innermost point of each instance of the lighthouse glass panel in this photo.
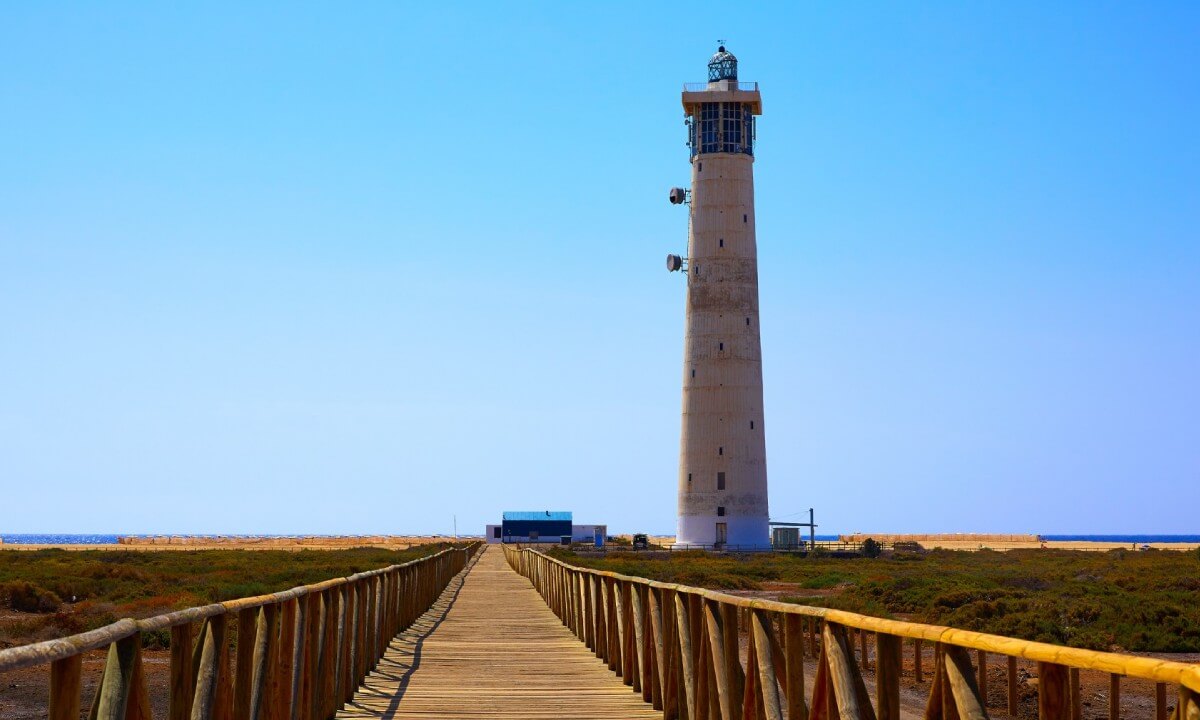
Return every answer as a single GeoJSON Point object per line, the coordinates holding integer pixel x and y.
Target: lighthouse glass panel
{"type": "Point", "coordinates": [731, 130]}
{"type": "Point", "coordinates": [710, 115]}
{"type": "Point", "coordinates": [724, 128]}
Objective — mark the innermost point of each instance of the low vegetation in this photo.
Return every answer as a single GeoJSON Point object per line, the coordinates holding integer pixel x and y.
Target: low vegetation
{"type": "Point", "coordinates": [1116, 600]}
{"type": "Point", "coordinates": [52, 593]}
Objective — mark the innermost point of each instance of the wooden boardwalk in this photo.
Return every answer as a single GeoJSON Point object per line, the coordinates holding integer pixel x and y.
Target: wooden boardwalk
{"type": "Point", "coordinates": [490, 648]}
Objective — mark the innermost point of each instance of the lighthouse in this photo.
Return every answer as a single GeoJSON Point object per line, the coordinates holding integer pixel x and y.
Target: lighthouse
{"type": "Point", "coordinates": [722, 455]}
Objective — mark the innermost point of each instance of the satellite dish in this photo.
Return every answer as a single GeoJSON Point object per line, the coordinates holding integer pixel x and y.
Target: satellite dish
{"type": "Point", "coordinates": [678, 196]}
{"type": "Point", "coordinates": [674, 263]}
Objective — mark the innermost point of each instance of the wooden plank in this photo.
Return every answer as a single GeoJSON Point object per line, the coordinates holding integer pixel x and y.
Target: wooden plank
{"type": "Point", "coordinates": [1053, 691]}
{"type": "Point", "coordinates": [961, 681]}
{"type": "Point", "coordinates": [1114, 697]}
{"type": "Point", "coordinates": [767, 681]}
{"type": "Point", "coordinates": [65, 687]}
{"type": "Point", "coordinates": [1014, 702]}
{"type": "Point", "coordinates": [888, 664]}
{"type": "Point", "coordinates": [848, 686]}
{"type": "Point", "coordinates": [490, 647]}
{"type": "Point", "coordinates": [794, 647]}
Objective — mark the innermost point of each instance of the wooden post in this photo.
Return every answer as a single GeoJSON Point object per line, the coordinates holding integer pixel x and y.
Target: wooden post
{"type": "Point", "coordinates": [263, 648]}
{"type": "Point", "coordinates": [767, 682]}
{"type": "Point", "coordinates": [849, 691]}
{"type": "Point", "coordinates": [1076, 700]}
{"type": "Point", "coordinates": [296, 661]}
{"type": "Point", "coordinates": [864, 662]}
{"type": "Point", "coordinates": [1014, 703]}
{"type": "Point", "coordinates": [116, 685]}
{"type": "Point", "coordinates": [961, 682]}
{"type": "Point", "coordinates": [917, 660]}
{"type": "Point", "coordinates": [1160, 701]}
{"type": "Point", "coordinates": [65, 686]}
{"type": "Point", "coordinates": [180, 707]}
{"type": "Point", "coordinates": [793, 686]}
{"type": "Point", "coordinates": [686, 660]}
{"type": "Point", "coordinates": [1053, 691]}
{"type": "Point", "coordinates": [889, 659]}
{"type": "Point", "coordinates": [1114, 697]}
{"type": "Point", "coordinates": [641, 681]}
{"type": "Point", "coordinates": [718, 654]}
{"type": "Point", "coordinates": [208, 675]}
{"type": "Point", "coordinates": [733, 663]}
{"type": "Point", "coordinates": [139, 697]}
{"type": "Point", "coordinates": [982, 680]}
{"type": "Point", "coordinates": [244, 668]}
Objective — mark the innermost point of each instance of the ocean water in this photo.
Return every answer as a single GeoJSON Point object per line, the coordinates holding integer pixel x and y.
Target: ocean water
{"type": "Point", "coordinates": [1125, 538]}
{"type": "Point", "coordinates": [68, 539]}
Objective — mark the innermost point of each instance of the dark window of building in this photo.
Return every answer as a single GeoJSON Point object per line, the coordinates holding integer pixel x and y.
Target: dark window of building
{"type": "Point", "coordinates": [496, 532]}
{"type": "Point", "coordinates": [689, 477]}
{"type": "Point", "coordinates": [721, 347]}
{"type": "Point", "coordinates": [722, 241]}
{"type": "Point", "coordinates": [747, 322]}
{"type": "Point", "coordinates": [721, 451]}
{"type": "Point", "coordinates": [744, 218]}
{"type": "Point", "coordinates": [751, 424]}
{"type": "Point", "coordinates": [701, 168]}
{"type": "Point", "coordinates": [720, 511]}
{"type": "Point", "coordinates": [693, 372]}
{"type": "Point", "coordinates": [720, 481]}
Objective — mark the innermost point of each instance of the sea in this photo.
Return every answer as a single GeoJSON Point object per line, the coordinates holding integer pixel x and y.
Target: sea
{"type": "Point", "coordinates": [72, 539]}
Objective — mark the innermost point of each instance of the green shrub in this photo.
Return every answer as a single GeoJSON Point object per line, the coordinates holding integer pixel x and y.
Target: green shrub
{"type": "Point", "coordinates": [27, 597]}
{"type": "Point", "coordinates": [871, 549]}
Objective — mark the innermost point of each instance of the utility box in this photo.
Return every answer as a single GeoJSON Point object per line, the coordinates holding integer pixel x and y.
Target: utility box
{"type": "Point", "coordinates": [785, 538]}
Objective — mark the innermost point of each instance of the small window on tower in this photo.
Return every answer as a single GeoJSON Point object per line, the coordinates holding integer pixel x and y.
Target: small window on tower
{"type": "Point", "coordinates": [751, 424]}
{"type": "Point", "coordinates": [689, 477]}
{"type": "Point", "coordinates": [721, 451]}
{"type": "Point", "coordinates": [701, 168]}
{"type": "Point", "coordinates": [693, 372]}
{"type": "Point", "coordinates": [720, 511]}
{"type": "Point", "coordinates": [720, 481]}
{"type": "Point", "coordinates": [721, 347]}
{"type": "Point", "coordinates": [744, 218]}
{"type": "Point", "coordinates": [722, 241]}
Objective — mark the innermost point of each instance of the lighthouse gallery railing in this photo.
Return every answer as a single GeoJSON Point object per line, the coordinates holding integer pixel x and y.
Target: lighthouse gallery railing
{"type": "Point", "coordinates": [679, 647]}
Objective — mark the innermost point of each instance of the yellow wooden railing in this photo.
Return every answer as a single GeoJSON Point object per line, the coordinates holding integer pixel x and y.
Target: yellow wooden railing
{"type": "Point", "coordinates": [679, 647]}
{"type": "Point", "coordinates": [300, 654]}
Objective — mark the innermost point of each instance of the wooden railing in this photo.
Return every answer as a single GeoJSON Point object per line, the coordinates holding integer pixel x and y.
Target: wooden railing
{"type": "Point", "coordinates": [679, 647]}
{"type": "Point", "coordinates": [300, 654]}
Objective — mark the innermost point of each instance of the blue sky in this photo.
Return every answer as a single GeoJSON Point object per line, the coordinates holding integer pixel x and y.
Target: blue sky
{"type": "Point", "coordinates": [361, 268]}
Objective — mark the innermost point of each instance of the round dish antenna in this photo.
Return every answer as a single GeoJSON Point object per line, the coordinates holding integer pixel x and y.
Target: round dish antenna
{"type": "Point", "coordinates": [678, 196]}
{"type": "Point", "coordinates": [674, 263]}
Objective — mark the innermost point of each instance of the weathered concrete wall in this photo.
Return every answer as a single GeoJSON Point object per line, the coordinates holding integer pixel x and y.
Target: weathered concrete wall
{"type": "Point", "coordinates": [723, 428]}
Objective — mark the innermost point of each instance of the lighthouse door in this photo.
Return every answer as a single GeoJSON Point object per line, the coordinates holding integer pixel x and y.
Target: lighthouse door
{"type": "Point", "coordinates": [722, 533]}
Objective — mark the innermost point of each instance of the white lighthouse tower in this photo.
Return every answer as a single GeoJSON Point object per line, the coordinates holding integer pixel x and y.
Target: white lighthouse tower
{"type": "Point", "coordinates": [722, 457]}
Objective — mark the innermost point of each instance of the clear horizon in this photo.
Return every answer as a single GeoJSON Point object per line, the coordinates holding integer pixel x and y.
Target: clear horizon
{"type": "Point", "coordinates": [287, 269]}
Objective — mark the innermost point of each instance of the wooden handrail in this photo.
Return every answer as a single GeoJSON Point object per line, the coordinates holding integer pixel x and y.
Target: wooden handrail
{"type": "Point", "coordinates": [301, 652]}
{"type": "Point", "coordinates": [678, 646]}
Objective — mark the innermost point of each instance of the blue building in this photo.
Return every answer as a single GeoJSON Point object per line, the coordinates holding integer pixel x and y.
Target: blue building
{"type": "Point", "coordinates": [532, 526]}
{"type": "Point", "coordinates": [545, 526]}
